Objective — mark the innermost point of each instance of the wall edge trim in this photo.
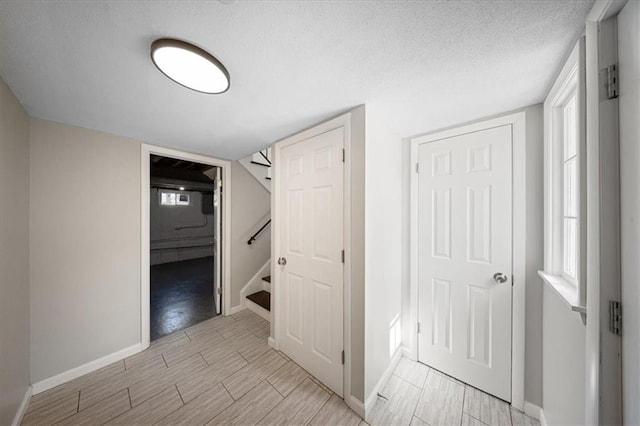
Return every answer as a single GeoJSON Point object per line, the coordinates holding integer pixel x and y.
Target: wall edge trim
{"type": "Point", "coordinates": [532, 410]}
{"type": "Point", "coordinates": [86, 368]}
{"type": "Point", "coordinates": [22, 409]}
{"type": "Point", "coordinates": [371, 399]}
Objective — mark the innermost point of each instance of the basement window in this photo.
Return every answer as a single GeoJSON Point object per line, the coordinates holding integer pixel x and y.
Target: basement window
{"type": "Point", "coordinates": [565, 183]}
{"type": "Point", "coordinates": [174, 199]}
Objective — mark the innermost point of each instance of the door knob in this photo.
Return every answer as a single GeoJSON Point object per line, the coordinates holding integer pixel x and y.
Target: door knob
{"type": "Point", "coordinates": [500, 278]}
{"type": "Point", "coordinates": [282, 261]}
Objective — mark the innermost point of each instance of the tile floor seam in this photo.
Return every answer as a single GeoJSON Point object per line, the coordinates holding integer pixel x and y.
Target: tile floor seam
{"type": "Point", "coordinates": [275, 406]}
{"type": "Point", "coordinates": [243, 357]}
{"type": "Point", "coordinates": [129, 393]}
{"type": "Point", "coordinates": [164, 359]}
{"type": "Point", "coordinates": [316, 414]}
{"type": "Point", "coordinates": [464, 397]}
{"type": "Point", "coordinates": [180, 395]}
{"type": "Point", "coordinates": [225, 388]}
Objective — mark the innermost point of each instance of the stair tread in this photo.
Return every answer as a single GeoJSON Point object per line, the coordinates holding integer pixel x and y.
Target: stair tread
{"type": "Point", "coordinates": [267, 278]}
{"type": "Point", "coordinates": [261, 298]}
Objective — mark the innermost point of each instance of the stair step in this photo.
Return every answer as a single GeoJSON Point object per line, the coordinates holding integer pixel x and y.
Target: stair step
{"type": "Point", "coordinates": [261, 298]}
{"type": "Point", "coordinates": [267, 278]}
{"type": "Point", "coordinates": [260, 164]}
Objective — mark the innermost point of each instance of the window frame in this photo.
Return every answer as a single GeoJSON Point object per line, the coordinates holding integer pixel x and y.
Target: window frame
{"type": "Point", "coordinates": [177, 195]}
{"type": "Point", "coordinates": [570, 83]}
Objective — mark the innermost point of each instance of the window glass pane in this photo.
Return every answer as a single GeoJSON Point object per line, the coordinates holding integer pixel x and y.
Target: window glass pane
{"type": "Point", "coordinates": [168, 198]}
{"type": "Point", "coordinates": [570, 125]}
{"type": "Point", "coordinates": [570, 190]}
{"type": "Point", "coordinates": [570, 248]}
{"type": "Point", "coordinates": [183, 200]}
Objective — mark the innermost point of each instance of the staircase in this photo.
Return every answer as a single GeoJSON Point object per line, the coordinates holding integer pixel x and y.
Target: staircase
{"type": "Point", "coordinates": [259, 165]}
{"type": "Point", "coordinates": [259, 298]}
{"type": "Point", "coordinates": [260, 301]}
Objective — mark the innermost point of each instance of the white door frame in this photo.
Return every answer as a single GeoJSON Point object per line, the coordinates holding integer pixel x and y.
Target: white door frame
{"type": "Point", "coordinates": [518, 126]}
{"type": "Point", "coordinates": [145, 245]}
{"type": "Point", "coordinates": [343, 121]}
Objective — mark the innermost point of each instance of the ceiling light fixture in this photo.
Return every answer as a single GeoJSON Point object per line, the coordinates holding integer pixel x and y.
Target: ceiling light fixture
{"type": "Point", "coordinates": [190, 66]}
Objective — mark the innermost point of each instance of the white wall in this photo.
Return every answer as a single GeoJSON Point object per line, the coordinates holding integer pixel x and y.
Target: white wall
{"type": "Point", "coordinates": [85, 246]}
{"type": "Point", "coordinates": [629, 69]}
{"type": "Point", "coordinates": [383, 242]}
{"type": "Point", "coordinates": [563, 362]}
{"type": "Point", "coordinates": [357, 255]}
{"type": "Point", "coordinates": [250, 209]}
{"type": "Point", "coordinates": [534, 256]}
{"type": "Point", "coordinates": [14, 254]}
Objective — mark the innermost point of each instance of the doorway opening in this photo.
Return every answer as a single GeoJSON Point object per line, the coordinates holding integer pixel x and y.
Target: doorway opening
{"type": "Point", "coordinates": [184, 244]}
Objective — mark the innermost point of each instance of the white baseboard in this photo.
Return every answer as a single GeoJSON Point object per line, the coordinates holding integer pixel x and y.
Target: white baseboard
{"type": "Point", "coordinates": [356, 405]}
{"type": "Point", "coordinates": [74, 373]}
{"type": "Point", "coordinates": [532, 410]}
{"type": "Point", "coordinates": [543, 421]}
{"type": "Point", "coordinates": [272, 342]}
{"type": "Point", "coordinates": [17, 419]}
{"type": "Point", "coordinates": [407, 353]}
{"type": "Point", "coordinates": [258, 310]}
{"type": "Point", "coordinates": [371, 399]}
{"type": "Point", "coordinates": [236, 309]}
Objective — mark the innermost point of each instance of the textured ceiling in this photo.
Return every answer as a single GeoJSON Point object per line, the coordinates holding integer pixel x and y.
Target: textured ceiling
{"type": "Point", "coordinates": [426, 64]}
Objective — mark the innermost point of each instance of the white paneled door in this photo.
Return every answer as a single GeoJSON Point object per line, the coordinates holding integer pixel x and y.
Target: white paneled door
{"type": "Point", "coordinates": [310, 263]}
{"type": "Point", "coordinates": [464, 258]}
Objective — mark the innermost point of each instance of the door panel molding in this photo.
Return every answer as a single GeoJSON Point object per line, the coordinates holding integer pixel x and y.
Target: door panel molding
{"type": "Point", "coordinates": [477, 160]}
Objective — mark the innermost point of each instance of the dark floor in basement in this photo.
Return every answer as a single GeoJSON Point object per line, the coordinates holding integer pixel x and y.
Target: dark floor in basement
{"type": "Point", "coordinates": [181, 295]}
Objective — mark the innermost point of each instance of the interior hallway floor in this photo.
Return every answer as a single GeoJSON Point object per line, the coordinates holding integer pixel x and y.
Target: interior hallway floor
{"type": "Point", "coordinates": [181, 295]}
{"type": "Point", "coordinates": [222, 372]}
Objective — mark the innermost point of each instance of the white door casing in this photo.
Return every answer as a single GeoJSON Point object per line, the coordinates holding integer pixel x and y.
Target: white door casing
{"type": "Point", "coordinates": [217, 234]}
{"type": "Point", "coordinates": [225, 246]}
{"type": "Point", "coordinates": [309, 227]}
{"type": "Point", "coordinates": [464, 238]}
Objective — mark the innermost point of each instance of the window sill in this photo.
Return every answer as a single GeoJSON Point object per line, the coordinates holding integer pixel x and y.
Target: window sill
{"type": "Point", "coordinates": [568, 293]}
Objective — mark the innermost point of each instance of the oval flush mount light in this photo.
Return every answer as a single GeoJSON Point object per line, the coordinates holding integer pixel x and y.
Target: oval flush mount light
{"type": "Point", "coordinates": [190, 66]}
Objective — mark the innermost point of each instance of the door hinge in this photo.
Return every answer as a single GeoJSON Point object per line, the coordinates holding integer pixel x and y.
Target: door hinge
{"type": "Point", "coordinates": [418, 328]}
{"type": "Point", "coordinates": [342, 357]}
{"type": "Point", "coordinates": [615, 317]}
{"type": "Point", "coordinates": [343, 155]}
{"type": "Point", "coordinates": [513, 280]}
{"type": "Point", "coordinates": [612, 81]}
{"type": "Point", "coordinates": [417, 167]}
{"type": "Point", "coordinates": [342, 256]}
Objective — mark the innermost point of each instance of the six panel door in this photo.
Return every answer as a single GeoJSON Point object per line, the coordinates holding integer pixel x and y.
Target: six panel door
{"type": "Point", "coordinates": [464, 226]}
{"type": "Point", "coordinates": [310, 228]}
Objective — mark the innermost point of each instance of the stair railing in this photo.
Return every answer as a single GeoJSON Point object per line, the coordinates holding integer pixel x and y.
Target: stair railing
{"type": "Point", "coordinates": [254, 236]}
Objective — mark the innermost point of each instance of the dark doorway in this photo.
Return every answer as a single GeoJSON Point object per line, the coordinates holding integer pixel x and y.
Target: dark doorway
{"type": "Point", "coordinates": [184, 232]}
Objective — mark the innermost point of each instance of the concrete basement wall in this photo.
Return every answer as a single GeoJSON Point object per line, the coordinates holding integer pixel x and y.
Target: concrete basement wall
{"type": "Point", "coordinates": [14, 254]}
{"type": "Point", "coordinates": [169, 244]}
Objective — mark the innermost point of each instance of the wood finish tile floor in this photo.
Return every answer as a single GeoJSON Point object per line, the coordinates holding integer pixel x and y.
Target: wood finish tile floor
{"type": "Point", "coordinates": [222, 372]}
{"type": "Point", "coordinates": [417, 395]}
{"type": "Point", "coordinates": [217, 372]}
